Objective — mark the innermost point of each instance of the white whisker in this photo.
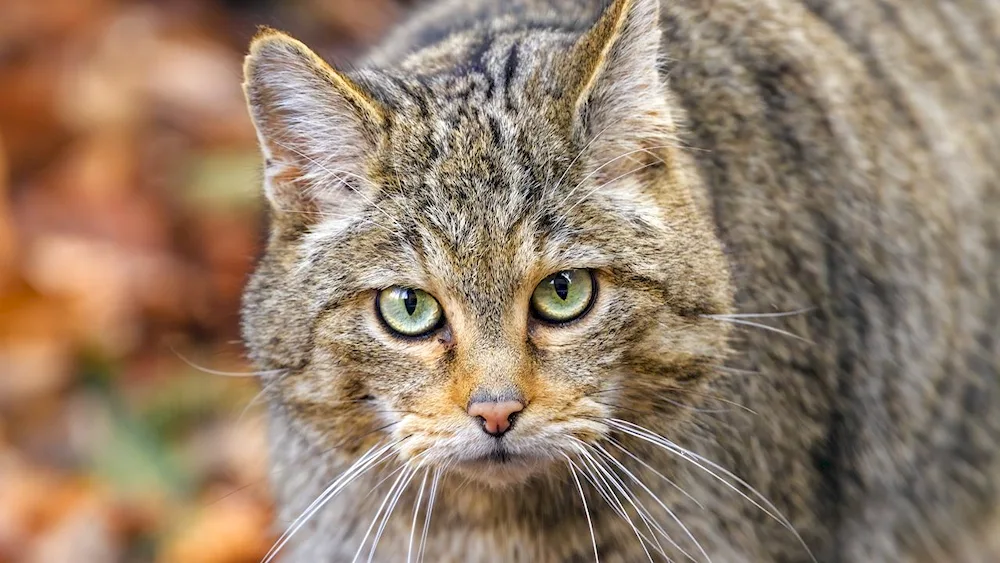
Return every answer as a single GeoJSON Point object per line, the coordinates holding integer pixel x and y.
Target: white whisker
{"type": "Point", "coordinates": [765, 315]}
{"type": "Point", "coordinates": [416, 511]}
{"type": "Point", "coordinates": [609, 182]}
{"type": "Point", "coordinates": [227, 373]}
{"type": "Point", "coordinates": [758, 325]}
{"type": "Point", "coordinates": [651, 468]}
{"type": "Point", "coordinates": [691, 408]}
{"type": "Point", "coordinates": [644, 514]}
{"type": "Point", "coordinates": [656, 439]}
{"type": "Point", "coordinates": [730, 402]}
{"type": "Point", "coordinates": [596, 470]}
{"type": "Point", "coordinates": [369, 459]}
{"type": "Point", "coordinates": [333, 173]}
{"type": "Point", "coordinates": [578, 155]}
{"type": "Point", "coordinates": [392, 506]}
{"type": "Point", "coordinates": [375, 519]}
{"type": "Point", "coordinates": [586, 509]}
{"type": "Point", "coordinates": [391, 474]}
{"type": "Point", "coordinates": [601, 167]}
{"type": "Point", "coordinates": [612, 502]}
{"type": "Point", "coordinates": [737, 371]}
{"type": "Point", "coordinates": [427, 514]}
{"type": "Point", "coordinates": [701, 462]}
{"type": "Point", "coordinates": [669, 512]}
{"type": "Point", "coordinates": [246, 409]}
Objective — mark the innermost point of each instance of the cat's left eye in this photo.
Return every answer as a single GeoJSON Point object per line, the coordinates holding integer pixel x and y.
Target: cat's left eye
{"type": "Point", "coordinates": [408, 311]}
{"type": "Point", "coordinates": [564, 296]}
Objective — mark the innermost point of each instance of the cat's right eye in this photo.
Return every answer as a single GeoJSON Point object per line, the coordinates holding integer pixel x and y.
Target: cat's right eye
{"type": "Point", "coordinates": [408, 311]}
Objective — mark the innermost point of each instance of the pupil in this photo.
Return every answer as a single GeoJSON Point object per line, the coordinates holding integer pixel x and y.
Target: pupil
{"type": "Point", "coordinates": [561, 285]}
{"type": "Point", "coordinates": [410, 301]}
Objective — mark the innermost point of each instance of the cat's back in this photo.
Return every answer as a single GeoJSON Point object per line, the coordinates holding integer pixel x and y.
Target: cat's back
{"type": "Point", "coordinates": [850, 149]}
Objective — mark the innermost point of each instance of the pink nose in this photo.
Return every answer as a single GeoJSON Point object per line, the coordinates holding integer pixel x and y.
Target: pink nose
{"type": "Point", "coordinates": [496, 417]}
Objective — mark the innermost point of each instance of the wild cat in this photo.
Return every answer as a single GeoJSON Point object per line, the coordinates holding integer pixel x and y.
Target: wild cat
{"type": "Point", "coordinates": [687, 280]}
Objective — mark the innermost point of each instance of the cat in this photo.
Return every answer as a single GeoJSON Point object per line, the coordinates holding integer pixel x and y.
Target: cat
{"type": "Point", "coordinates": [640, 280]}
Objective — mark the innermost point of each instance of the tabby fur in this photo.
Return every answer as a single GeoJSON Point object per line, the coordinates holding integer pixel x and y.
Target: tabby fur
{"type": "Point", "coordinates": [836, 160]}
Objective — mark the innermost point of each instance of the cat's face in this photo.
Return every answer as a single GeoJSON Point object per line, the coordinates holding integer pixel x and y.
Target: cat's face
{"type": "Point", "coordinates": [478, 268]}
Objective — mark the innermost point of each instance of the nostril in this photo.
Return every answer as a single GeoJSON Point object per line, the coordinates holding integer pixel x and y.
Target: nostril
{"type": "Point", "coordinates": [482, 422]}
{"type": "Point", "coordinates": [512, 417]}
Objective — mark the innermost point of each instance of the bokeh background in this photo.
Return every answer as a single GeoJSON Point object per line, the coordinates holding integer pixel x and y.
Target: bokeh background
{"type": "Point", "coordinates": [130, 216]}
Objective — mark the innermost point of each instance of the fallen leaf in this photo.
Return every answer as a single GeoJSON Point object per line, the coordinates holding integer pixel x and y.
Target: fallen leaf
{"type": "Point", "coordinates": [229, 531]}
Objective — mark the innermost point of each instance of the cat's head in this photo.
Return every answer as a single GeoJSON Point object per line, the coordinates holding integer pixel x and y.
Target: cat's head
{"type": "Point", "coordinates": [485, 253]}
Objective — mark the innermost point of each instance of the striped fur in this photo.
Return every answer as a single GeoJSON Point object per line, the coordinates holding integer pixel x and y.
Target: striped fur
{"type": "Point", "coordinates": [728, 157]}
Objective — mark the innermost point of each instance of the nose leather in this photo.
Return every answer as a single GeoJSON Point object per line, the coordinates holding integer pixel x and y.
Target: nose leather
{"type": "Point", "coordinates": [496, 416]}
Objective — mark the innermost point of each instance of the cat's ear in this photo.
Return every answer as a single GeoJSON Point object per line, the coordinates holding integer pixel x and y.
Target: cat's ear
{"type": "Point", "coordinates": [619, 100]}
{"type": "Point", "coordinates": [315, 127]}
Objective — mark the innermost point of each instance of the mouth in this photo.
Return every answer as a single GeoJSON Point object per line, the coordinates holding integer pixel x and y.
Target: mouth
{"type": "Point", "coordinates": [500, 467]}
{"type": "Point", "coordinates": [499, 456]}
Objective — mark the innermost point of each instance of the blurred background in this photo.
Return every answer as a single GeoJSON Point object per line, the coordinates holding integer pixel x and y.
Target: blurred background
{"type": "Point", "coordinates": [130, 217]}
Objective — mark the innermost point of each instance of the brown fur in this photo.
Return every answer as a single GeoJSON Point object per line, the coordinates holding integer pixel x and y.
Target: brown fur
{"type": "Point", "coordinates": [729, 156]}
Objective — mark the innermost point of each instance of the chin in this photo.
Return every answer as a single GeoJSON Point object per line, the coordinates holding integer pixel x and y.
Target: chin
{"type": "Point", "coordinates": [500, 469]}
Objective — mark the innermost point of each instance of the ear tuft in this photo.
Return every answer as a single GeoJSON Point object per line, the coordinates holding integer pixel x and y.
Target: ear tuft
{"type": "Point", "coordinates": [315, 126]}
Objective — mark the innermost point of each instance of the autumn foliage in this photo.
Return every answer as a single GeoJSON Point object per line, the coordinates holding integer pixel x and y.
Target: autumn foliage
{"type": "Point", "coordinates": [130, 216]}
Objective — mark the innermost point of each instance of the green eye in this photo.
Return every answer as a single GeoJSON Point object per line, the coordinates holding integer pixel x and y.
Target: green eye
{"type": "Point", "coordinates": [410, 312]}
{"type": "Point", "coordinates": [563, 296]}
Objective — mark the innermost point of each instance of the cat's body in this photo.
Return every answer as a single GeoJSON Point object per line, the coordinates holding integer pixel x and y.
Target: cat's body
{"type": "Point", "coordinates": [846, 155]}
